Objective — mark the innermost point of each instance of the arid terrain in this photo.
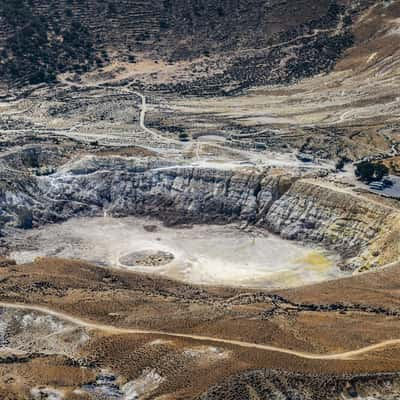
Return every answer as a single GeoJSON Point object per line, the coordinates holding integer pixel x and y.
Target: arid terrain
{"type": "Point", "coordinates": [199, 200]}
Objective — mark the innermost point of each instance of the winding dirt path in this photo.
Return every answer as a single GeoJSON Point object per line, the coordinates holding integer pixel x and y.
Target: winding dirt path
{"type": "Point", "coordinates": [115, 330]}
{"type": "Point", "coordinates": [142, 120]}
{"type": "Point", "coordinates": [143, 110]}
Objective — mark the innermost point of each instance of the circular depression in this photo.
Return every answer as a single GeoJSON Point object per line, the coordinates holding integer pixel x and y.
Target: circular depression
{"type": "Point", "coordinates": [146, 258]}
{"type": "Point", "coordinates": [202, 254]}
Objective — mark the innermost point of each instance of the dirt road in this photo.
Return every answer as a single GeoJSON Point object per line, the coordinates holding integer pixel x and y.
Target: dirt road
{"type": "Point", "coordinates": [115, 330]}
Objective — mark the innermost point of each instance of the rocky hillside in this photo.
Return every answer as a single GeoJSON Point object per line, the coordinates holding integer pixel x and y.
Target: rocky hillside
{"type": "Point", "coordinates": [294, 207]}
{"type": "Point", "coordinates": [267, 384]}
{"type": "Point", "coordinates": [288, 40]}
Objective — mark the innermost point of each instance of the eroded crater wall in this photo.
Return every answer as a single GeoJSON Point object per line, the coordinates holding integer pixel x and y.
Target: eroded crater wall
{"type": "Point", "coordinates": [295, 208]}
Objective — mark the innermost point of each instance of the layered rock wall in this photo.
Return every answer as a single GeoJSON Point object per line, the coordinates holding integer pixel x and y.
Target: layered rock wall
{"type": "Point", "coordinates": [295, 208]}
{"type": "Point", "coordinates": [312, 211]}
{"type": "Point", "coordinates": [173, 193]}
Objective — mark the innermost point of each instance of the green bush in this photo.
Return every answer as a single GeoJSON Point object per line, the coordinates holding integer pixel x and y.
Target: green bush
{"type": "Point", "coordinates": [339, 164]}
{"type": "Point", "coordinates": [367, 171]}
{"type": "Point", "coordinates": [183, 137]}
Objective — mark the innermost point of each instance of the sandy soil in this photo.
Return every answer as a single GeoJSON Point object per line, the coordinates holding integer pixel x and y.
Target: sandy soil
{"type": "Point", "coordinates": [203, 254]}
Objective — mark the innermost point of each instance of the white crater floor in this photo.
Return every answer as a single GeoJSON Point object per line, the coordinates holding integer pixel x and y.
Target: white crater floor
{"type": "Point", "coordinates": [202, 254]}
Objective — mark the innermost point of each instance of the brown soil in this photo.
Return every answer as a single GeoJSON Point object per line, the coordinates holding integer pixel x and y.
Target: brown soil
{"type": "Point", "coordinates": [142, 301]}
{"type": "Point", "coordinates": [134, 300]}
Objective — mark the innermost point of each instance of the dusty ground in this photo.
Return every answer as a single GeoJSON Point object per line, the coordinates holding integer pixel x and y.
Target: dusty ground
{"type": "Point", "coordinates": [369, 314]}
{"type": "Point", "coordinates": [205, 254]}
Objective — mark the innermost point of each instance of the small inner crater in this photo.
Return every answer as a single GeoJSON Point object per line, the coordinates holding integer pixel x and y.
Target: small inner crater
{"type": "Point", "coordinates": [146, 258]}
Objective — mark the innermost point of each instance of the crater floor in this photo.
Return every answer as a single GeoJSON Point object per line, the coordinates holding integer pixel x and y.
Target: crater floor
{"type": "Point", "coordinates": [201, 254]}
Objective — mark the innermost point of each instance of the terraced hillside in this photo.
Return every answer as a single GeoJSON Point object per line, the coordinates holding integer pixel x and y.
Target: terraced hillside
{"type": "Point", "coordinates": [287, 40]}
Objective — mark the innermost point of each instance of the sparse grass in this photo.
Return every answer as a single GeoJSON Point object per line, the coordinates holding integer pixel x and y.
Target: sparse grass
{"type": "Point", "coordinates": [133, 300]}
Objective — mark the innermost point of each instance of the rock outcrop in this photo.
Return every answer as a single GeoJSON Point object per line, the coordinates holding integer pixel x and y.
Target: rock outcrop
{"type": "Point", "coordinates": [296, 208]}
{"type": "Point", "coordinates": [174, 193]}
{"type": "Point", "coordinates": [312, 211]}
